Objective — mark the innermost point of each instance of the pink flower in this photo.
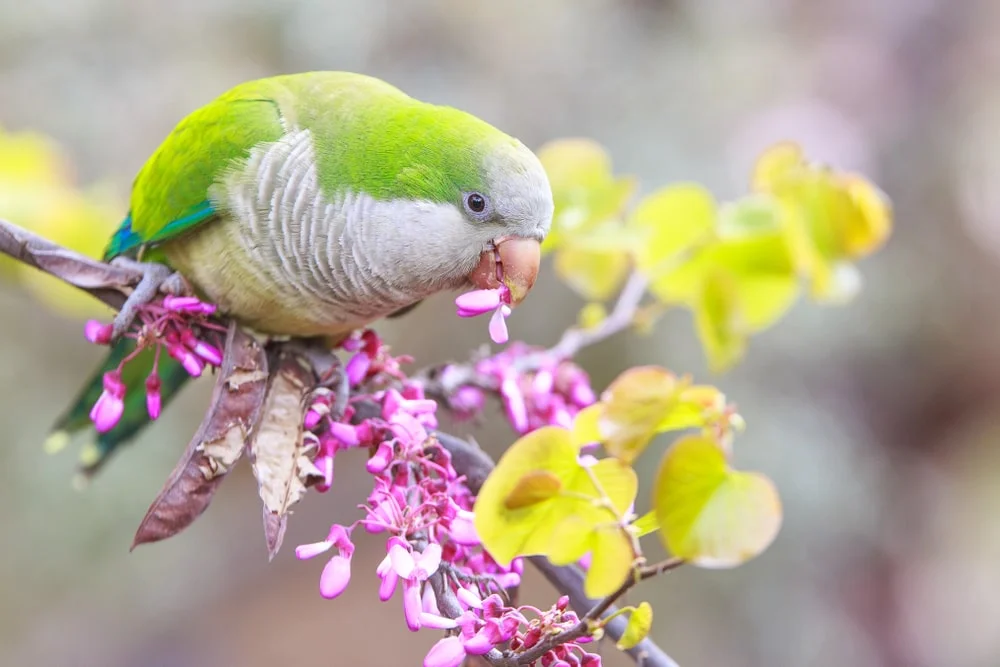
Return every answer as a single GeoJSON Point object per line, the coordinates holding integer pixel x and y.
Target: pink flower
{"type": "Point", "coordinates": [154, 400]}
{"type": "Point", "coordinates": [97, 333]}
{"type": "Point", "coordinates": [401, 563]}
{"type": "Point", "coordinates": [357, 368]}
{"type": "Point", "coordinates": [187, 304]}
{"type": "Point", "coordinates": [381, 459]}
{"type": "Point", "coordinates": [110, 405]}
{"type": "Point", "coordinates": [336, 575]}
{"type": "Point", "coordinates": [170, 324]}
{"type": "Point", "coordinates": [447, 652]}
{"type": "Point", "coordinates": [478, 302]}
{"type": "Point", "coordinates": [337, 571]}
{"type": "Point", "coordinates": [462, 529]}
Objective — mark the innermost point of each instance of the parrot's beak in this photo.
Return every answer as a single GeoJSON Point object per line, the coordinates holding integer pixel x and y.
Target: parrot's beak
{"type": "Point", "coordinates": [515, 261]}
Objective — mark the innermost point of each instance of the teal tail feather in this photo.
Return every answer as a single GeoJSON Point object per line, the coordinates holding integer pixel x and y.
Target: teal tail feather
{"type": "Point", "coordinates": [100, 446]}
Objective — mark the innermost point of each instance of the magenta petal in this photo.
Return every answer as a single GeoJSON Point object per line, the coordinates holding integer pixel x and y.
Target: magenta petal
{"type": "Point", "coordinates": [498, 325]}
{"type": "Point", "coordinates": [208, 352]}
{"type": "Point", "coordinates": [428, 603]}
{"type": "Point", "coordinates": [154, 404]}
{"type": "Point", "coordinates": [97, 333]}
{"type": "Point", "coordinates": [412, 604]}
{"type": "Point", "coordinates": [107, 412]}
{"type": "Point", "coordinates": [477, 302]}
{"type": "Point", "coordinates": [325, 465]}
{"type": "Point", "coordinates": [428, 562]}
{"type": "Point", "coordinates": [307, 551]}
{"type": "Point", "coordinates": [336, 575]}
{"type": "Point", "coordinates": [388, 586]}
{"type": "Point", "coordinates": [581, 394]}
{"type": "Point", "coordinates": [180, 304]}
{"type": "Point", "coordinates": [480, 642]}
{"type": "Point", "coordinates": [380, 461]}
{"type": "Point", "coordinates": [468, 598]}
{"type": "Point", "coordinates": [402, 560]}
{"type": "Point", "coordinates": [447, 652]}
{"type": "Point", "coordinates": [517, 411]}
{"type": "Point", "coordinates": [357, 368]}
{"type": "Point", "coordinates": [312, 419]}
{"type": "Point", "coordinates": [345, 433]}
{"type": "Point", "coordinates": [463, 530]}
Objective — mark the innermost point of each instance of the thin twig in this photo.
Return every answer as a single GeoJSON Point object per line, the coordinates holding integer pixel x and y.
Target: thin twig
{"type": "Point", "coordinates": [619, 319]}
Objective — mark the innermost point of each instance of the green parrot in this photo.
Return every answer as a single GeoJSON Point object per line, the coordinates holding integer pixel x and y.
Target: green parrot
{"type": "Point", "coordinates": [314, 204]}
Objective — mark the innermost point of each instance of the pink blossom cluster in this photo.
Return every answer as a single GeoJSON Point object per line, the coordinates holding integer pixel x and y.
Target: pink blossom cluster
{"type": "Point", "coordinates": [484, 624]}
{"type": "Point", "coordinates": [423, 507]}
{"type": "Point", "coordinates": [552, 392]}
{"type": "Point", "coordinates": [166, 325]}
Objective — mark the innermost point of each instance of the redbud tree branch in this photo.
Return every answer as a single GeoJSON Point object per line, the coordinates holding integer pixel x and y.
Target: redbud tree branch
{"type": "Point", "coordinates": [468, 459]}
{"type": "Point", "coordinates": [111, 283]}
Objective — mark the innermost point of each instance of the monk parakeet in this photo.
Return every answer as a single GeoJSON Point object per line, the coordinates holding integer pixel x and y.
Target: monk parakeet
{"type": "Point", "coordinates": [315, 204]}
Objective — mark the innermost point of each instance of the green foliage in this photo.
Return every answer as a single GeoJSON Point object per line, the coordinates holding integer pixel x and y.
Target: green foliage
{"type": "Point", "coordinates": [542, 499]}
{"type": "Point", "coordinates": [738, 266]}
{"type": "Point", "coordinates": [640, 620]}
{"type": "Point", "coordinates": [709, 514]}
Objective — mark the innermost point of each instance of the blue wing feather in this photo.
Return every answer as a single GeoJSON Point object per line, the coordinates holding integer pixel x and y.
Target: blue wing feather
{"type": "Point", "coordinates": [125, 240]}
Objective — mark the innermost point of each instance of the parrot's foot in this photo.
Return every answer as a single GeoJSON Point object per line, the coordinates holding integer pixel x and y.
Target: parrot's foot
{"type": "Point", "coordinates": [154, 277]}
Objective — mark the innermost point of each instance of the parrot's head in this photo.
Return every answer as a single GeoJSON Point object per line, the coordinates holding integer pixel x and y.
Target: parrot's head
{"type": "Point", "coordinates": [497, 210]}
{"type": "Point", "coordinates": [510, 217]}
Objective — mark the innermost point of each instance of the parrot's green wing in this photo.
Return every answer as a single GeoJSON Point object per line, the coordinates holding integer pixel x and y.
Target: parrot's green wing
{"type": "Point", "coordinates": [170, 195]}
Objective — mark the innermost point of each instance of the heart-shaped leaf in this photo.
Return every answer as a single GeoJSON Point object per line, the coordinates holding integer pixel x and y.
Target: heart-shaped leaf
{"type": "Point", "coordinates": [709, 514]}
{"type": "Point", "coordinates": [640, 620]}
{"type": "Point", "coordinates": [541, 500]}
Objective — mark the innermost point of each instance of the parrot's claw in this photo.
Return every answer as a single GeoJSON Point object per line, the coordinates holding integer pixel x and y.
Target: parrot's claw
{"type": "Point", "coordinates": [175, 285]}
{"type": "Point", "coordinates": [153, 277]}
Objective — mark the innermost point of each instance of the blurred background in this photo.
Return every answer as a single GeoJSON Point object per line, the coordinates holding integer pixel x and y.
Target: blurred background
{"type": "Point", "coordinates": [879, 421]}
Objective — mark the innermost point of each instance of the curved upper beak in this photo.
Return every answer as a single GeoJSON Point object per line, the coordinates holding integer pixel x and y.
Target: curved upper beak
{"type": "Point", "coordinates": [519, 259]}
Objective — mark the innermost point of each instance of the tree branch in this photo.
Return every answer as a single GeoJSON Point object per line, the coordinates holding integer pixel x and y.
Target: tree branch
{"type": "Point", "coordinates": [111, 283]}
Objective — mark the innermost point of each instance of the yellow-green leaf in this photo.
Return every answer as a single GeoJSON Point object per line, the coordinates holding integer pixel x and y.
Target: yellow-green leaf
{"type": "Point", "coordinates": [749, 216]}
{"type": "Point", "coordinates": [640, 621]}
{"type": "Point", "coordinates": [571, 539]}
{"type": "Point", "coordinates": [533, 488]}
{"type": "Point", "coordinates": [674, 219]}
{"type": "Point", "coordinates": [611, 561]}
{"type": "Point", "coordinates": [528, 528]}
{"type": "Point", "coordinates": [709, 514]}
{"type": "Point", "coordinates": [719, 322]}
{"type": "Point", "coordinates": [586, 428]}
{"type": "Point", "coordinates": [593, 274]}
{"type": "Point", "coordinates": [867, 231]}
{"type": "Point", "coordinates": [585, 191]}
{"type": "Point", "coordinates": [634, 406]}
{"type": "Point", "coordinates": [776, 165]}
{"type": "Point", "coordinates": [646, 524]}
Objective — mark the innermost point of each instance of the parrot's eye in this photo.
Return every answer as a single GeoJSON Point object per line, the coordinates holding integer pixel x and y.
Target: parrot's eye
{"type": "Point", "coordinates": [475, 202]}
